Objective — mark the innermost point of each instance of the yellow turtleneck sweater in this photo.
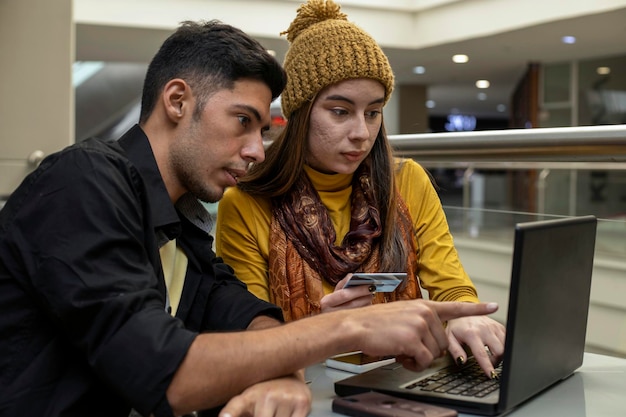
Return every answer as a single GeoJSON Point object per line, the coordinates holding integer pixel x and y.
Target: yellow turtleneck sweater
{"type": "Point", "coordinates": [243, 225]}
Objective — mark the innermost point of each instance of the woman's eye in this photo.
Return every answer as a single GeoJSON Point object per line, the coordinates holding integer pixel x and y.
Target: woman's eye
{"type": "Point", "coordinates": [373, 114]}
{"type": "Point", "coordinates": [339, 112]}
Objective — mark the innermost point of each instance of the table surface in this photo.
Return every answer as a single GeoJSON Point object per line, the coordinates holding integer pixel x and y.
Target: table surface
{"type": "Point", "coordinates": [597, 389]}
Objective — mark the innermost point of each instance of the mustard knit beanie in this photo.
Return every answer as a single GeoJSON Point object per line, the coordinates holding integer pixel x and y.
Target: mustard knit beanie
{"type": "Point", "coordinates": [324, 49]}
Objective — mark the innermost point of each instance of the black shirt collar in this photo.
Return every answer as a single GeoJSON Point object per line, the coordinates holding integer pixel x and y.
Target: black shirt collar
{"type": "Point", "coordinates": [139, 152]}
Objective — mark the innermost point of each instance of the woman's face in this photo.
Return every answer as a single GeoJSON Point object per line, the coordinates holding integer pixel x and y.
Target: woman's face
{"type": "Point", "coordinates": [345, 120]}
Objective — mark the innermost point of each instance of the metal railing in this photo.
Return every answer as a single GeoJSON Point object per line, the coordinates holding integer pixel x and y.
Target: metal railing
{"type": "Point", "coordinates": [606, 144]}
{"type": "Point", "coordinates": [563, 161]}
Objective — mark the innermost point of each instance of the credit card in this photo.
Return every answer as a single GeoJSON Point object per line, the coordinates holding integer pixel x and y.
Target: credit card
{"type": "Point", "coordinates": [383, 281]}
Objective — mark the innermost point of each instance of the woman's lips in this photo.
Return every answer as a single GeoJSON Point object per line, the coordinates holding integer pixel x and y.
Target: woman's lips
{"type": "Point", "coordinates": [353, 156]}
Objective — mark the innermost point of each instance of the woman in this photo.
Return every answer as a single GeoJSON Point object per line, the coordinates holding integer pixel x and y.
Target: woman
{"type": "Point", "coordinates": [330, 199]}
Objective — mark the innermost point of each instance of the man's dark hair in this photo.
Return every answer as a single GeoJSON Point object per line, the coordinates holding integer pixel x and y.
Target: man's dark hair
{"type": "Point", "coordinates": [209, 56]}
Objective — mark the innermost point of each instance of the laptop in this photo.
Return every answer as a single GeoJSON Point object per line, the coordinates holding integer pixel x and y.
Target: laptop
{"type": "Point", "coordinates": [546, 325]}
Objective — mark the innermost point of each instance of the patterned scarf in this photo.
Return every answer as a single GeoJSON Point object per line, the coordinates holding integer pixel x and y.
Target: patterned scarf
{"type": "Point", "coordinates": [302, 250]}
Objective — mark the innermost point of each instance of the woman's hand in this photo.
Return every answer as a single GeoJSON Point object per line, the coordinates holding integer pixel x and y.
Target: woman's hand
{"type": "Point", "coordinates": [341, 298]}
{"type": "Point", "coordinates": [483, 335]}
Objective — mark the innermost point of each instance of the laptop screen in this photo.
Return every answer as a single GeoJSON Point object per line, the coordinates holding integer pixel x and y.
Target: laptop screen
{"type": "Point", "coordinates": [548, 305]}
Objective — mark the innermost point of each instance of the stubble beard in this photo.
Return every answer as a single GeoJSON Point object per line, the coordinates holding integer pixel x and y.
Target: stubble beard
{"type": "Point", "coordinates": [189, 174]}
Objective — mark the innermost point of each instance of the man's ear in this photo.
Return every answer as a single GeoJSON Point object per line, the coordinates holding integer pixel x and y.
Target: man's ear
{"type": "Point", "coordinates": [176, 99]}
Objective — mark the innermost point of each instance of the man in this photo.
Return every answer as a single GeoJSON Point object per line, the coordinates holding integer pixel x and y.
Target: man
{"type": "Point", "coordinates": [94, 320]}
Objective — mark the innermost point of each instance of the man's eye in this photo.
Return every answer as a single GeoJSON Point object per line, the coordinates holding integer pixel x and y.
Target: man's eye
{"type": "Point", "coordinates": [244, 120]}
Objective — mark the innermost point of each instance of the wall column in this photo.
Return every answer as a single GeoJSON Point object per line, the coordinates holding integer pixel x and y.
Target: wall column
{"type": "Point", "coordinates": [37, 105]}
{"type": "Point", "coordinates": [412, 109]}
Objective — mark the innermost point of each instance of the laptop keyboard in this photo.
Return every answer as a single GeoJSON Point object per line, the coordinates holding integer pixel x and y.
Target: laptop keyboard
{"type": "Point", "coordinates": [468, 381]}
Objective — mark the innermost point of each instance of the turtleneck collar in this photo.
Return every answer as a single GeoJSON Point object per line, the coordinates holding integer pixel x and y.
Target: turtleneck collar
{"type": "Point", "coordinates": [328, 182]}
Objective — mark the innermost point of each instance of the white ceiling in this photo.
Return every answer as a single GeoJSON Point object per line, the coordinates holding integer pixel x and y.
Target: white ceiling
{"type": "Point", "coordinates": [502, 59]}
{"type": "Point", "coordinates": [501, 56]}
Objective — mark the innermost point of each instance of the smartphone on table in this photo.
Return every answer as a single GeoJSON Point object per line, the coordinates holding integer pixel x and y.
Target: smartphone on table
{"type": "Point", "coordinates": [376, 404]}
{"type": "Point", "coordinates": [382, 281]}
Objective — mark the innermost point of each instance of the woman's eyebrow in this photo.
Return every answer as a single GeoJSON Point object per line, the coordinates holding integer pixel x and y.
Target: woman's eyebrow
{"type": "Point", "coordinates": [339, 97]}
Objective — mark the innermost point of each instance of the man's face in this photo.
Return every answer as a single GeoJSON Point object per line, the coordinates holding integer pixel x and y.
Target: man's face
{"type": "Point", "coordinates": [212, 152]}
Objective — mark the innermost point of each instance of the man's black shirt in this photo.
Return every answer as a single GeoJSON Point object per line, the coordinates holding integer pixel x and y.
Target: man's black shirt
{"type": "Point", "coordinates": [83, 326]}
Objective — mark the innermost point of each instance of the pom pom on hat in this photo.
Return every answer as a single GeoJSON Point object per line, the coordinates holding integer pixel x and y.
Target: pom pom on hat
{"type": "Point", "coordinates": [326, 48]}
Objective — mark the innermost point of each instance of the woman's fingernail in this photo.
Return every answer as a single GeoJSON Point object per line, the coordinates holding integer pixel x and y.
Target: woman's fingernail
{"type": "Point", "coordinates": [494, 374]}
{"type": "Point", "coordinates": [460, 360]}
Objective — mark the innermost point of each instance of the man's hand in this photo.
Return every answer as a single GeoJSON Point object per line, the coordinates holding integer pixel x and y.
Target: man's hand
{"type": "Point", "coordinates": [411, 330]}
{"type": "Point", "coordinates": [280, 397]}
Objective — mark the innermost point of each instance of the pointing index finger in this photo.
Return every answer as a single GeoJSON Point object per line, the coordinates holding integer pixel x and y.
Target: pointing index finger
{"type": "Point", "coordinates": [452, 310]}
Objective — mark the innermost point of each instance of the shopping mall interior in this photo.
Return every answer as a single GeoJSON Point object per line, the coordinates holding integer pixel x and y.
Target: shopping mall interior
{"type": "Point", "coordinates": [517, 108]}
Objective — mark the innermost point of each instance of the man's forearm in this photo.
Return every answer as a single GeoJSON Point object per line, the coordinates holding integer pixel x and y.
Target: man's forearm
{"type": "Point", "coordinates": [221, 365]}
{"type": "Point", "coordinates": [263, 322]}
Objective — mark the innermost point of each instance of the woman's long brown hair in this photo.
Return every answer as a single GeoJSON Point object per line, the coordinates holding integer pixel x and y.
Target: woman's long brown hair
{"type": "Point", "coordinates": [284, 163]}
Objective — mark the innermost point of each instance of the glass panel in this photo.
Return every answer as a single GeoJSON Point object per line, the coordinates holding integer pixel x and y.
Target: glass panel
{"type": "Point", "coordinates": [602, 91]}
{"type": "Point", "coordinates": [498, 227]}
{"type": "Point", "coordinates": [556, 117]}
{"type": "Point", "coordinates": [556, 83]}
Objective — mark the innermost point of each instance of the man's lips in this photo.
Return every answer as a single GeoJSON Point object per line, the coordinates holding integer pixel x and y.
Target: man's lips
{"type": "Point", "coordinates": [236, 174]}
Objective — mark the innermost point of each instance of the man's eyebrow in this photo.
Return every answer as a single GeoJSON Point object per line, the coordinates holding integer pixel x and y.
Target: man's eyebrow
{"type": "Point", "coordinates": [339, 97]}
{"type": "Point", "coordinates": [250, 109]}
{"type": "Point", "coordinates": [254, 111]}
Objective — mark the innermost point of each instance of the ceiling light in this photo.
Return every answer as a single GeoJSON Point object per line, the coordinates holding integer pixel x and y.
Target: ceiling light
{"type": "Point", "coordinates": [501, 108]}
{"type": "Point", "coordinates": [460, 59]}
{"type": "Point", "coordinates": [430, 104]}
{"type": "Point", "coordinates": [482, 96]}
{"type": "Point", "coordinates": [482, 84]}
{"type": "Point", "coordinates": [568, 39]}
{"type": "Point", "coordinates": [603, 70]}
{"type": "Point", "coordinates": [419, 70]}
